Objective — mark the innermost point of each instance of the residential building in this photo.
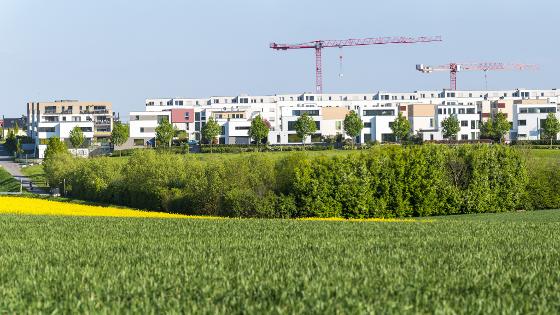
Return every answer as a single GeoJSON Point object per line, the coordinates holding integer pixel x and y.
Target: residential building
{"type": "Point", "coordinates": [58, 118]}
{"type": "Point", "coordinates": [424, 109]}
{"type": "Point", "coordinates": [7, 124]}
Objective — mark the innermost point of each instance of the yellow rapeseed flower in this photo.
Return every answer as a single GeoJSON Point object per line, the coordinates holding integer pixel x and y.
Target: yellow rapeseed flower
{"type": "Point", "coordinates": [33, 206]}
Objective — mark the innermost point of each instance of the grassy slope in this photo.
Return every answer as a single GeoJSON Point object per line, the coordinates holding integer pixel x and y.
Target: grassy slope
{"type": "Point", "coordinates": [7, 182]}
{"type": "Point", "coordinates": [498, 263]}
{"type": "Point", "coordinates": [36, 174]}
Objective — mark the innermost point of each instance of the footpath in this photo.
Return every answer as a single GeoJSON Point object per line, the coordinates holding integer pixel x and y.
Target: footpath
{"type": "Point", "coordinates": [7, 163]}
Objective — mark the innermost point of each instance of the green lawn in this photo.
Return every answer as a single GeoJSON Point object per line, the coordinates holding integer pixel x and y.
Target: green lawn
{"type": "Point", "coordinates": [37, 175]}
{"type": "Point", "coordinates": [7, 182]}
{"type": "Point", "coordinates": [494, 263]}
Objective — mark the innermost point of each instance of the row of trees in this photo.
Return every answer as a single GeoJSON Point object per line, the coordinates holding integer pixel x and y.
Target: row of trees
{"type": "Point", "coordinates": [497, 128]}
{"type": "Point", "coordinates": [387, 181]}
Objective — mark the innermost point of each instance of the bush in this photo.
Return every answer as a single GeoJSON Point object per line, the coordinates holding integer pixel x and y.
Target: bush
{"type": "Point", "coordinates": [384, 181]}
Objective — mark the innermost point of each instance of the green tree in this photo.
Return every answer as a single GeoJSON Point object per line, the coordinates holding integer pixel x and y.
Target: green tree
{"type": "Point", "coordinates": [119, 134]}
{"type": "Point", "coordinates": [487, 130]}
{"type": "Point", "coordinates": [11, 141]}
{"type": "Point", "coordinates": [77, 138]}
{"type": "Point", "coordinates": [551, 127]}
{"type": "Point", "coordinates": [210, 131]}
{"type": "Point", "coordinates": [401, 127]}
{"type": "Point", "coordinates": [16, 129]}
{"type": "Point", "coordinates": [500, 126]}
{"type": "Point", "coordinates": [495, 128]}
{"type": "Point", "coordinates": [181, 135]}
{"type": "Point", "coordinates": [259, 130]}
{"type": "Point", "coordinates": [55, 146]}
{"type": "Point", "coordinates": [305, 126]}
{"type": "Point", "coordinates": [450, 127]}
{"type": "Point", "coordinates": [164, 133]}
{"type": "Point", "coordinates": [353, 125]}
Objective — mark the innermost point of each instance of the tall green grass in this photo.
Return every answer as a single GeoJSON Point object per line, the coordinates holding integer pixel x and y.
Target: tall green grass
{"type": "Point", "coordinates": [493, 263]}
{"type": "Point", "coordinates": [7, 182]}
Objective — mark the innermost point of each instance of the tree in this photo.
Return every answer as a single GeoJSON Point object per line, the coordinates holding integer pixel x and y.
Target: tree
{"type": "Point", "coordinates": [55, 146]}
{"type": "Point", "coordinates": [487, 130]}
{"type": "Point", "coordinates": [77, 138]}
{"type": "Point", "coordinates": [353, 125]}
{"type": "Point", "coordinates": [400, 127]}
{"type": "Point", "coordinates": [165, 132]}
{"type": "Point", "coordinates": [16, 129]}
{"type": "Point", "coordinates": [551, 127]}
{"type": "Point", "coordinates": [495, 128]}
{"type": "Point", "coordinates": [259, 130]}
{"type": "Point", "coordinates": [181, 135]}
{"type": "Point", "coordinates": [305, 126]}
{"type": "Point", "coordinates": [210, 131]}
{"type": "Point", "coordinates": [500, 126]}
{"type": "Point", "coordinates": [450, 127]}
{"type": "Point", "coordinates": [120, 134]}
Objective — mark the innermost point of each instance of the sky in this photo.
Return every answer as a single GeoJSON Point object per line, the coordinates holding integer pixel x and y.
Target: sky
{"type": "Point", "coordinates": [125, 51]}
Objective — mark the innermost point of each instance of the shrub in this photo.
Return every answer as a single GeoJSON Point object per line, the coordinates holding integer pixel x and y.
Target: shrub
{"type": "Point", "coordinates": [383, 181]}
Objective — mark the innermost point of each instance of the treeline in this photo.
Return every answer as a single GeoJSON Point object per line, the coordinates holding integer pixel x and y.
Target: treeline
{"type": "Point", "coordinates": [385, 181]}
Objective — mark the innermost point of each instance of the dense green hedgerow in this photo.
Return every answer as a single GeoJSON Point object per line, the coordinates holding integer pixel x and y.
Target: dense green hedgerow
{"type": "Point", "coordinates": [384, 181]}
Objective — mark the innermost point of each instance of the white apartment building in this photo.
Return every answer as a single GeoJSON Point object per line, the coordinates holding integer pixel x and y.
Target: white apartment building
{"type": "Point", "coordinates": [58, 118]}
{"type": "Point", "coordinates": [424, 109]}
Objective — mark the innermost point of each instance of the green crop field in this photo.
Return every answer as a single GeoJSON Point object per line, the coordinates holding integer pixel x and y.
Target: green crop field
{"type": "Point", "coordinates": [7, 182]}
{"type": "Point", "coordinates": [494, 263]}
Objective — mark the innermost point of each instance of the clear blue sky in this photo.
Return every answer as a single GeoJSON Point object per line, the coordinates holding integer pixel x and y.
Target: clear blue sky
{"type": "Point", "coordinates": [127, 51]}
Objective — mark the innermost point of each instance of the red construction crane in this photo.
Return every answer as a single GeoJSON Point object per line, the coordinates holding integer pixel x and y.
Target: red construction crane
{"type": "Point", "coordinates": [318, 45]}
{"type": "Point", "coordinates": [453, 68]}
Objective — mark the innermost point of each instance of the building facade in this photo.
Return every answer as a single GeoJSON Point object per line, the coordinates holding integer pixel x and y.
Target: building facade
{"type": "Point", "coordinates": [424, 109]}
{"type": "Point", "coordinates": [58, 118]}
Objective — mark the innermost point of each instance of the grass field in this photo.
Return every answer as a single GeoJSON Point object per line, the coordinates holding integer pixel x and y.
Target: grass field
{"type": "Point", "coordinates": [37, 175]}
{"type": "Point", "coordinates": [7, 182]}
{"type": "Point", "coordinates": [496, 263]}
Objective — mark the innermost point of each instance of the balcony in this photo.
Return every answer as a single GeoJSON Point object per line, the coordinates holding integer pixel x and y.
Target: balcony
{"type": "Point", "coordinates": [102, 122]}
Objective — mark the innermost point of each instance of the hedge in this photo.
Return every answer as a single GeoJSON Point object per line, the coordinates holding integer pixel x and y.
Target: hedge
{"type": "Point", "coordinates": [384, 181]}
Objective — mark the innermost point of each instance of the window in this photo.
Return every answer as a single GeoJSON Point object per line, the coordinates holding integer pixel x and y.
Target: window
{"type": "Point", "coordinates": [338, 125]}
{"type": "Point", "coordinates": [242, 128]}
{"type": "Point", "coordinates": [293, 138]}
{"type": "Point", "coordinates": [464, 123]}
{"type": "Point", "coordinates": [367, 137]}
{"type": "Point", "coordinates": [138, 142]}
{"type": "Point", "coordinates": [86, 129]}
{"type": "Point", "coordinates": [522, 122]}
{"type": "Point", "coordinates": [464, 137]}
{"type": "Point", "coordinates": [141, 129]}
{"type": "Point", "coordinates": [431, 122]}
{"type": "Point", "coordinates": [439, 111]}
{"type": "Point", "coordinates": [310, 112]}
{"type": "Point", "coordinates": [470, 110]}
{"type": "Point", "coordinates": [367, 125]}
{"type": "Point", "coordinates": [46, 129]}
{"type": "Point", "coordinates": [161, 118]}
{"type": "Point", "coordinates": [222, 130]}
{"type": "Point", "coordinates": [461, 110]}
{"type": "Point", "coordinates": [379, 112]}
{"type": "Point", "coordinates": [473, 124]}
{"type": "Point", "coordinates": [187, 115]}
{"type": "Point", "coordinates": [197, 116]}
